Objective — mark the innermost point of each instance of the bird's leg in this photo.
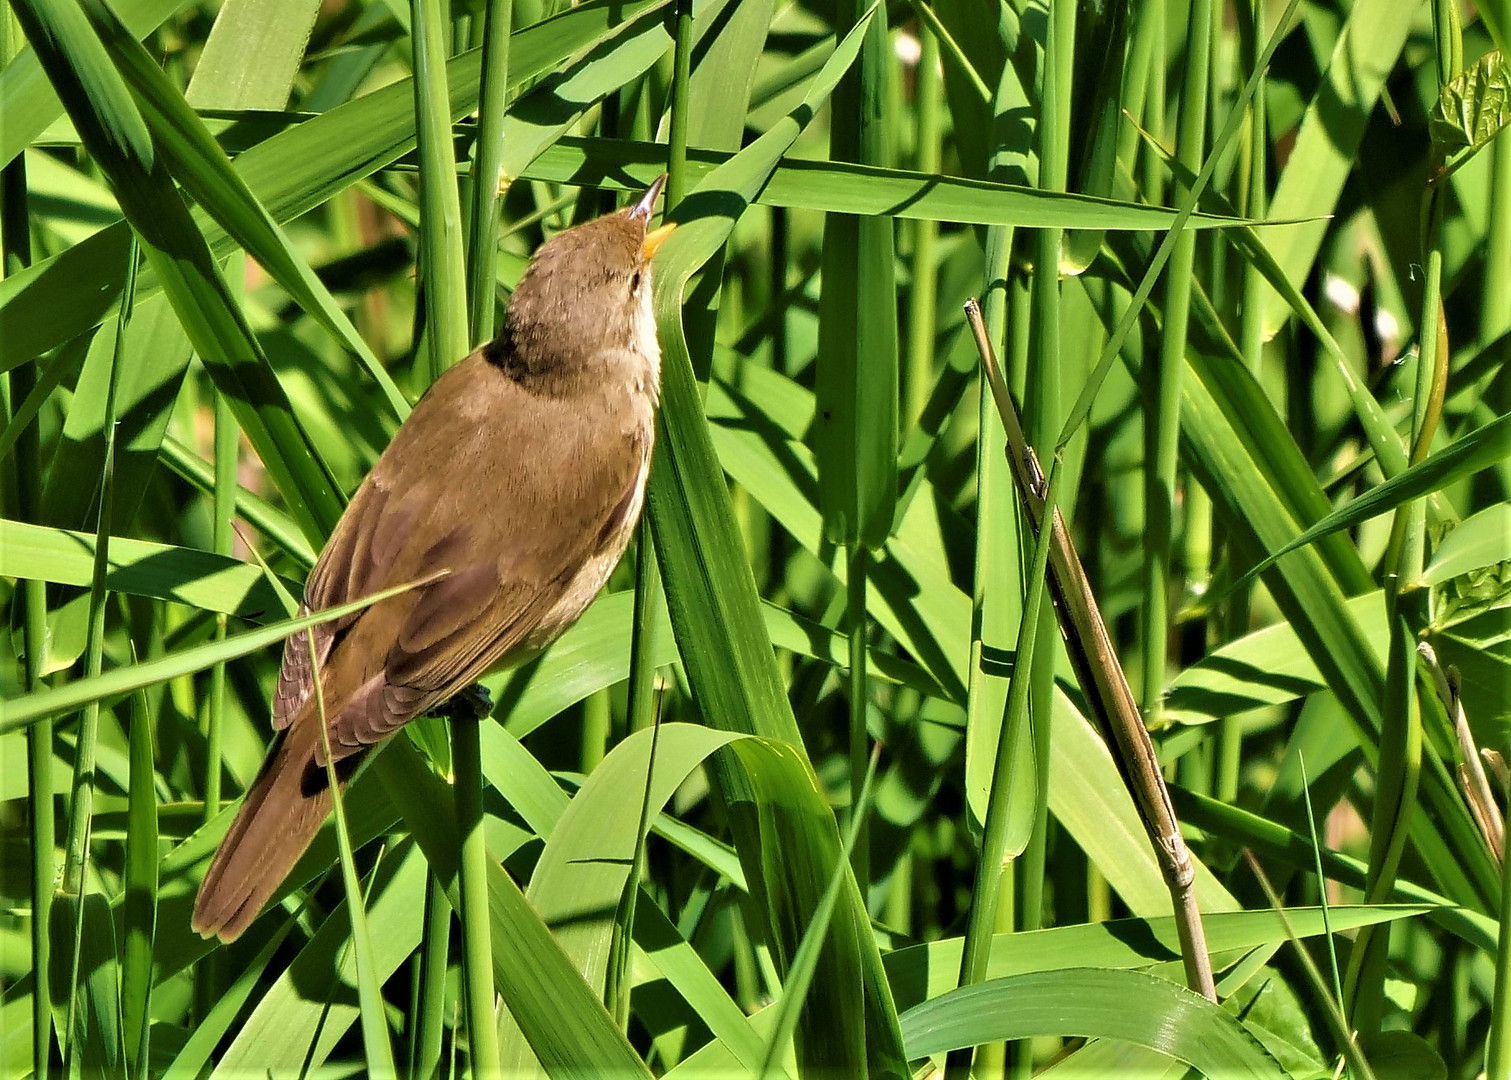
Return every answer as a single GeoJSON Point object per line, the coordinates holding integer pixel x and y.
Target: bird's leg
{"type": "Point", "coordinates": [474, 702]}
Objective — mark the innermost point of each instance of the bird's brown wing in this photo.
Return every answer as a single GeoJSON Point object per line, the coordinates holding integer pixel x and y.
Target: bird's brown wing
{"type": "Point", "coordinates": [519, 526]}
{"type": "Point", "coordinates": [344, 571]}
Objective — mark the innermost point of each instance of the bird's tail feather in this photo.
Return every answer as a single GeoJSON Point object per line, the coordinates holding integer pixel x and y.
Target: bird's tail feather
{"type": "Point", "coordinates": [282, 812]}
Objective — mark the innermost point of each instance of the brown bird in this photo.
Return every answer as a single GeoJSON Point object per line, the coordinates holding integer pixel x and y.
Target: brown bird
{"type": "Point", "coordinates": [520, 474]}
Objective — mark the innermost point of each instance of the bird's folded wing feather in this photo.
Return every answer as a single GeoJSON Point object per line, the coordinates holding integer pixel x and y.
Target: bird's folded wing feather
{"type": "Point", "coordinates": [522, 529]}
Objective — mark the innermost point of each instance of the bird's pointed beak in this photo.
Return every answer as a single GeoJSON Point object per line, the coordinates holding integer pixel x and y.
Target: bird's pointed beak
{"type": "Point", "coordinates": [656, 237]}
{"type": "Point", "coordinates": [643, 209]}
{"type": "Point", "coordinates": [646, 206]}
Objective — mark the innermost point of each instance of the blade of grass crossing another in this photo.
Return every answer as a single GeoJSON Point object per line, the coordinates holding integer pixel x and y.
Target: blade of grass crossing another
{"type": "Point", "coordinates": [375, 1041]}
{"type": "Point", "coordinates": [102, 1037]}
{"type": "Point", "coordinates": [113, 130]}
{"type": "Point", "coordinates": [805, 961]}
{"type": "Point", "coordinates": [23, 712]}
{"type": "Point", "coordinates": [29, 606]}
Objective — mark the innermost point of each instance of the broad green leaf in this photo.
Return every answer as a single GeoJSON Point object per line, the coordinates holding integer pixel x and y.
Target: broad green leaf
{"type": "Point", "coordinates": [1093, 1003]}
{"type": "Point", "coordinates": [923, 972]}
{"type": "Point", "coordinates": [1270, 666]}
{"type": "Point", "coordinates": [1481, 540]}
{"type": "Point", "coordinates": [581, 875]}
{"type": "Point", "coordinates": [312, 1003]}
{"type": "Point", "coordinates": [1474, 105]}
{"type": "Point", "coordinates": [1478, 450]}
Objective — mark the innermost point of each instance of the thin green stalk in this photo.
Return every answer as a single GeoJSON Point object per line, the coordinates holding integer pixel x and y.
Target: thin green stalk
{"type": "Point", "coordinates": [442, 270]}
{"type": "Point", "coordinates": [227, 446]}
{"type": "Point", "coordinates": [227, 443]}
{"type": "Point", "coordinates": [1043, 416]}
{"type": "Point", "coordinates": [1251, 342]}
{"type": "Point", "coordinates": [1495, 297]}
{"type": "Point", "coordinates": [923, 294]}
{"type": "Point", "coordinates": [1151, 24]}
{"type": "Point", "coordinates": [994, 842]}
{"type": "Point", "coordinates": [617, 991]}
{"type": "Point", "coordinates": [477, 961]}
{"type": "Point", "coordinates": [374, 1020]}
{"type": "Point", "coordinates": [1316, 840]}
{"type": "Point", "coordinates": [488, 177]}
{"type": "Point", "coordinates": [429, 1018]}
{"type": "Point", "coordinates": [859, 697]}
{"type": "Point", "coordinates": [857, 380]}
{"type": "Point", "coordinates": [1162, 428]}
{"type": "Point", "coordinates": [31, 613]}
{"type": "Point", "coordinates": [141, 889]}
{"type": "Point", "coordinates": [676, 150]}
{"type": "Point", "coordinates": [81, 798]}
{"type": "Point", "coordinates": [1498, 1042]}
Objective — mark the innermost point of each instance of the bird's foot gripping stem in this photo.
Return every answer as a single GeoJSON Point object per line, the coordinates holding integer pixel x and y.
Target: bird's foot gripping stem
{"type": "Point", "coordinates": [474, 702]}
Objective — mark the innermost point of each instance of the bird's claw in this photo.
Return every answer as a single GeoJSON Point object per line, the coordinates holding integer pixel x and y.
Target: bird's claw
{"type": "Point", "coordinates": [474, 702]}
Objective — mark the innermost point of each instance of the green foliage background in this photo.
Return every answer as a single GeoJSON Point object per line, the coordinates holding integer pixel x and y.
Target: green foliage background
{"type": "Point", "coordinates": [1248, 266]}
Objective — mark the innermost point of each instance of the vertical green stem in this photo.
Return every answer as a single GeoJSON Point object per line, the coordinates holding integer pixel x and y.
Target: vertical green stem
{"type": "Point", "coordinates": [989, 867]}
{"type": "Point", "coordinates": [81, 798]}
{"type": "Point", "coordinates": [430, 1016]}
{"type": "Point", "coordinates": [860, 740]}
{"type": "Point", "coordinates": [1251, 342]}
{"type": "Point", "coordinates": [141, 891]}
{"type": "Point", "coordinates": [227, 446]}
{"type": "Point", "coordinates": [442, 272]}
{"type": "Point", "coordinates": [1162, 429]}
{"type": "Point", "coordinates": [857, 378]}
{"type": "Point", "coordinates": [487, 170]}
{"type": "Point", "coordinates": [31, 609]}
{"type": "Point", "coordinates": [1495, 298]}
{"type": "Point", "coordinates": [1151, 22]}
{"type": "Point", "coordinates": [482, 1031]}
{"type": "Point", "coordinates": [1042, 418]}
{"type": "Point", "coordinates": [1498, 1043]}
{"type": "Point", "coordinates": [923, 295]}
{"type": "Point", "coordinates": [676, 150]}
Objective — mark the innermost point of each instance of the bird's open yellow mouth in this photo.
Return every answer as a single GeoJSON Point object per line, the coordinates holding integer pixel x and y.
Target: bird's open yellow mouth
{"type": "Point", "coordinates": [656, 237]}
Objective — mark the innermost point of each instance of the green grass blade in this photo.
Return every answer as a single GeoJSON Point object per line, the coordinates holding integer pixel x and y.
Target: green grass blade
{"type": "Point", "coordinates": [141, 901]}
{"type": "Point", "coordinates": [100, 106]}
{"type": "Point", "coordinates": [22, 712]}
{"type": "Point", "coordinates": [1091, 1002]}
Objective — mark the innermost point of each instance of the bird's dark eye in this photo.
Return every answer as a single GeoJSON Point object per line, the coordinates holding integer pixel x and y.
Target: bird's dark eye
{"type": "Point", "coordinates": [635, 281]}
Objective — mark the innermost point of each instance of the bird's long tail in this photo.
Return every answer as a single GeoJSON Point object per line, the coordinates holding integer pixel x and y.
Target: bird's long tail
{"type": "Point", "coordinates": [282, 812]}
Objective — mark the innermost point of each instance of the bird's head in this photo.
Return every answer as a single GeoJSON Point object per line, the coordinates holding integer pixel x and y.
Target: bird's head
{"type": "Point", "coordinates": [586, 296]}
